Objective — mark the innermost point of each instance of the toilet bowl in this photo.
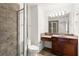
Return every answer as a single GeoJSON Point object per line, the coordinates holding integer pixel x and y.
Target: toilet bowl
{"type": "Point", "coordinates": [32, 49]}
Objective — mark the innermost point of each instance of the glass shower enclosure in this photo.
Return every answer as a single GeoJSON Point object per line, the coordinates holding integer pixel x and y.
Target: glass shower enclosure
{"type": "Point", "coordinates": [22, 30]}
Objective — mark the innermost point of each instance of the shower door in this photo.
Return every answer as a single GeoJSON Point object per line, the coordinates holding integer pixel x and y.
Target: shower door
{"type": "Point", "coordinates": [22, 31]}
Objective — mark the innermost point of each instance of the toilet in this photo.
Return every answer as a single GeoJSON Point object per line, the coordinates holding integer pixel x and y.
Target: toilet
{"type": "Point", "coordinates": [32, 49]}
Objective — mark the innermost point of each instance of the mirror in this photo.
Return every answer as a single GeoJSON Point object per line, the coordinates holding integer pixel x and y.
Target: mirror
{"type": "Point", "coordinates": [59, 24]}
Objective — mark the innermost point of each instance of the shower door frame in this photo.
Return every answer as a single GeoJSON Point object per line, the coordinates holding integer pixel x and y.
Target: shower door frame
{"type": "Point", "coordinates": [23, 26]}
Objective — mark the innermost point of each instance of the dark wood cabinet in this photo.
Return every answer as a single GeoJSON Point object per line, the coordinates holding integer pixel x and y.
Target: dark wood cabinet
{"type": "Point", "coordinates": [70, 47]}
{"type": "Point", "coordinates": [63, 46]}
{"type": "Point", "coordinates": [57, 46]}
{"type": "Point", "coordinates": [45, 39]}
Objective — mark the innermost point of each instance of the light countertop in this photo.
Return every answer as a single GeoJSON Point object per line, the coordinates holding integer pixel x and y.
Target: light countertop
{"type": "Point", "coordinates": [60, 36]}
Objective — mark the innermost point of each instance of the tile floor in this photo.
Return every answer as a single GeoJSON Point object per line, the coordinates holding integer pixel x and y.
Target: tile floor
{"type": "Point", "coordinates": [43, 52]}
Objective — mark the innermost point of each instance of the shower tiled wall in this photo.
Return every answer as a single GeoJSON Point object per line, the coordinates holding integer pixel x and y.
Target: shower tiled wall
{"type": "Point", "coordinates": [8, 29]}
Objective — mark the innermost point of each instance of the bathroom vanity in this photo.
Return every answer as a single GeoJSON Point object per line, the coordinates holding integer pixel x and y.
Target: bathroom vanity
{"type": "Point", "coordinates": [63, 45]}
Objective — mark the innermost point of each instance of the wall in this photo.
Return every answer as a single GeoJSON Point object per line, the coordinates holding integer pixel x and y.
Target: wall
{"type": "Point", "coordinates": [33, 24]}
{"type": "Point", "coordinates": [8, 29]}
{"type": "Point", "coordinates": [41, 25]}
{"type": "Point", "coordinates": [37, 23]}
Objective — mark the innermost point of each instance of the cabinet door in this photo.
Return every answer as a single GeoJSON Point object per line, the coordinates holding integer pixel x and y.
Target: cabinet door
{"type": "Point", "coordinates": [57, 46]}
{"type": "Point", "coordinates": [70, 48]}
